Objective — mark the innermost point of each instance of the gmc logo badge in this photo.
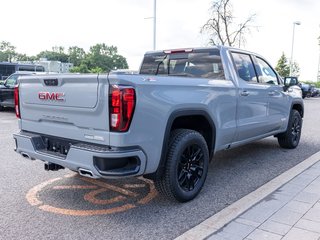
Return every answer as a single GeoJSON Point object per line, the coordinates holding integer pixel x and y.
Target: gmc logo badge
{"type": "Point", "coordinates": [54, 96]}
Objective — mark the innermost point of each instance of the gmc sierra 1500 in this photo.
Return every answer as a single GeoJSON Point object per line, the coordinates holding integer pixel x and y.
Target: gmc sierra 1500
{"type": "Point", "coordinates": [164, 123]}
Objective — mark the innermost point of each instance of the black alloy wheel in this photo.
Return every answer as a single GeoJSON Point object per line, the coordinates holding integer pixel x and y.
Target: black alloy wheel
{"type": "Point", "coordinates": [186, 166]}
{"type": "Point", "coordinates": [190, 169]}
{"type": "Point", "coordinates": [291, 137]}
{"type": "Point", "coordinates": [296, 130]}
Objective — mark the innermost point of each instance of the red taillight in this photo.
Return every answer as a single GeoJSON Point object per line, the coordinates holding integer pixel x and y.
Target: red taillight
{"type": "Point", "coordinates": [16, 101]}
{"type": "Point", "coordinates": [121, 106]}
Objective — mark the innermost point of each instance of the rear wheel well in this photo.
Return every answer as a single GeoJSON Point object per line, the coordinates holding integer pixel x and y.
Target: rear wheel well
{"type": "Point", "coordinates": [195, 120]}
{"type": "Point", "coordinates": [198, 123]}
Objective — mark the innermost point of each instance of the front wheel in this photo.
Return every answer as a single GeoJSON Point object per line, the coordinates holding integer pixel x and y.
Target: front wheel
{"type": "Point", "coordinates": [186, 166]}
{"type": "Point", "coordinates": [291, 137]}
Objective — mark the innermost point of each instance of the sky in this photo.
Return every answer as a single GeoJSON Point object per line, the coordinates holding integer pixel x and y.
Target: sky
{"type": "Point", "coordinates": [36, 25]}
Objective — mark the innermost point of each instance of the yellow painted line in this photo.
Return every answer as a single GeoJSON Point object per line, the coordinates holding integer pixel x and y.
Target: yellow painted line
{"type": "Point", "coordinates": [32, 196]}
{"type": "Point", "coordinates": [152, 193]}
{"type": "Point", "coordinates": [32, 193]}
{"type": "Point", "coordinates": [72, 212]}
{"type": "Point", "coordinates": [75, 187]}
{"type": "Point", "coordinates": [110, 187]}
{"type": "Point", "coordinates": [91, 197]}
{"type": "Point", "coordinates": [134, 185]}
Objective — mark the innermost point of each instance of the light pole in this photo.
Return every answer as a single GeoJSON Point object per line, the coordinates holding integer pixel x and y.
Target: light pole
{"type": "Point", "coordinates": [318, 76]}
{"type": "Point", "coordinates": [154, 23]}
{"type": "Point", "coordinates": [291, 59]}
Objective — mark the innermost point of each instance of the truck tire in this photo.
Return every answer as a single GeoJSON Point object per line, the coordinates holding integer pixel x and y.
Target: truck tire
{"type": "Point", "coordinates": [290, 138]}
{"type": "Point", "coordinates": [186, 166]}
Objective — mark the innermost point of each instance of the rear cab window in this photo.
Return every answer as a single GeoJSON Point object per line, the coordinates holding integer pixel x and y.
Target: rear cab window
{"type": "Point", "coordinates": [200, 63]}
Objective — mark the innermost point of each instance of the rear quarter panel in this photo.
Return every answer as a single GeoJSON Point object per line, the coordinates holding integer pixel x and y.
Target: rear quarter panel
{"type": "Point", "coordinates": [157, 98]}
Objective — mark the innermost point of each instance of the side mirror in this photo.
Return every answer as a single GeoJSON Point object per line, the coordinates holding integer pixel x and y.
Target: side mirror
{"type": "Point", "coordinates": [290, 81]}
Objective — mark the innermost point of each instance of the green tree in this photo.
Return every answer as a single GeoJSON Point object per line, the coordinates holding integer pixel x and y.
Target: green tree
{"type": "Point", "coordinates": [7, 51]}
{"type": "Point", "coordinates": [105, 57]}
{"type": "Point", "coordinates": [283, 67]}
{"type": "Point", "coordinates": [76, 55]}
{"type": "Point", "coordinates": [57, 54]}
{"type": "Point", "coordinates": [82, 68]}
{"type": "Point", "coordinates": [24, 57]}
{"type": "Point", "coordinates": [100, 58]}
{"type": "Point", "coordinates": [96, 70]}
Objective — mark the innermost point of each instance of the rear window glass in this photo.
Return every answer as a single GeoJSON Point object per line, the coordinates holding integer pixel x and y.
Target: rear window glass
{"type": "Point", "coordinates": [39, 69]}
{"type": "Point", "coordinates": [198, 64]}
{"type": "Point", "coordinates": [26, 68]}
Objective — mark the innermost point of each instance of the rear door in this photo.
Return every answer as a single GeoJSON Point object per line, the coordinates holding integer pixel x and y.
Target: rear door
{"type": "Point", "coordinates": [70, 106]}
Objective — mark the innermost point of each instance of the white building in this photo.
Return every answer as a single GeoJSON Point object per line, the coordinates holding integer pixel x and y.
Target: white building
{"type": "Point", "coordinates": [55, 66]}
{"type": "Point", "coordinates": [52, 66]}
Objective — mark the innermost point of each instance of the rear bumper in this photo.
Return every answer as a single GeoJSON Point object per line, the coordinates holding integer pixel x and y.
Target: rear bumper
{"type": "Point", "coordinates": [101, 161]}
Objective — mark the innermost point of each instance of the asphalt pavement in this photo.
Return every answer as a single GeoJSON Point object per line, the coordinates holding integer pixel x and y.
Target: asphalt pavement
{"type": "Point", "coordinates": [36, 204]}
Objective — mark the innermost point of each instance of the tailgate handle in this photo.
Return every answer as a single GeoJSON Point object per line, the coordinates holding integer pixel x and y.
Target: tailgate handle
{"type": "Point", "coordinates": [51, 82]}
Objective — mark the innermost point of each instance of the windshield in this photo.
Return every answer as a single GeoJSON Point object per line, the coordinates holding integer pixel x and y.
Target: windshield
{"type": "Point", "coordinates": [201, 64]}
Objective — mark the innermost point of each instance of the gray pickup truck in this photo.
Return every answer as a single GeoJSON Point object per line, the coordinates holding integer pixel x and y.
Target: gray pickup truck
{"type": "Point", "coordinates": [164, 123]}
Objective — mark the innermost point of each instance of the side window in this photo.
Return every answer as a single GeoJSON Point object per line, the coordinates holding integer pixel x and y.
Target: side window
{"type": "Point", "coordinates": [26, 68]}
{"type": "Point", "coordinates": [39, 69]}
{"type": "Point", "coordinates": [244, 67]}
{"type": "Point", "coordinates": [265, 73]}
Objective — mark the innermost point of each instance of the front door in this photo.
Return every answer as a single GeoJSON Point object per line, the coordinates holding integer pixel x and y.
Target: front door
{"type": "Point", "coordinates": [278, 99]}
{"type": "Point", "coordinates": [252, 114]}
{"type": "Point", "coordinates": [7, 93]}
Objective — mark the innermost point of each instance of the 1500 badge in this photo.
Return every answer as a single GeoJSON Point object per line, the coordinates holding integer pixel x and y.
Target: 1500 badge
{"type": "Point", "coordinates": [53, 96]}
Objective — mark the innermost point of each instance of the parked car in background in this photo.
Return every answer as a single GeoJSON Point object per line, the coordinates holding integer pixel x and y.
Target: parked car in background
{"type": "Point", "coordinates": [6, 68]}
{"type": "Point", "coordinates": [313, 91]}
{"type": "Point", "coordinates": [7, 89]}
{"type": "Point", "coordinates": [306, 90]}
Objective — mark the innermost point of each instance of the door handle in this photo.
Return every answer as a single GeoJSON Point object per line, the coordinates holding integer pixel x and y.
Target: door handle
{"type": "Point", "coordinates": [271, 93]}
{"type": "Point", "coordinates": [244, 93]}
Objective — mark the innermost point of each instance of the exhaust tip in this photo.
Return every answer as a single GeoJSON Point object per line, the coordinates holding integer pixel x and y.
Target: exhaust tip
{"type": "Point", "coordinates": [86, 173]}
{"type": "Point", "coordinates": [25, 155]}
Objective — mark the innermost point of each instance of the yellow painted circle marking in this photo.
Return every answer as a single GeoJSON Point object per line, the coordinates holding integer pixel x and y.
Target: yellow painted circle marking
{"type": "Point", "coordinates": [126, 197]}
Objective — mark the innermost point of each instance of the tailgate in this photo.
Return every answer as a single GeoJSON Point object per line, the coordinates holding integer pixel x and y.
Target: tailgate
{"type": "Point", "coordinates": [70, 106]}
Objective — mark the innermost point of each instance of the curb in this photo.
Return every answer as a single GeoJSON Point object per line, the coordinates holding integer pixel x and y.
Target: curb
{"type": "Point", "coordinates": [220, 219]}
